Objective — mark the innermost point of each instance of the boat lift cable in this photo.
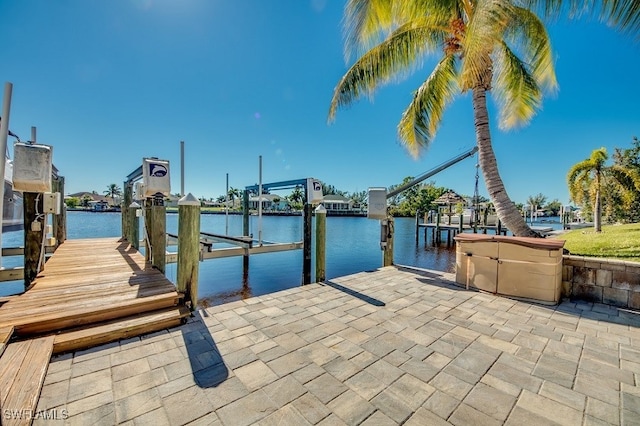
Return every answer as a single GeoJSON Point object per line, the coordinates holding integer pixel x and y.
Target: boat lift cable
{"type": "Point", "coordinates": [432, 172]}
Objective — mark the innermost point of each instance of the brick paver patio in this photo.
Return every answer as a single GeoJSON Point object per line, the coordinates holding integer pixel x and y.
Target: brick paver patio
{"type": "Point", "coordinates": [386, 347]}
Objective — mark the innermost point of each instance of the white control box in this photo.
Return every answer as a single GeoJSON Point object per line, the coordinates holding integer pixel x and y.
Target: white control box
{"type": "Point", "coordinates": [32, 167]}
{"type": "Point", "coordinates": [155, 176]}
{"type": "Point", "coordinates": [51, 202]}
{"type": "Point", "coordinates": [314, 191]}
{"type": "Point", "coordinates": [377, 203]}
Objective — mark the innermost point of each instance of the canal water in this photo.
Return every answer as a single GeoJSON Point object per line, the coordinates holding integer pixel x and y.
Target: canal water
{"type": "Point", "coordinates": [352, 246]}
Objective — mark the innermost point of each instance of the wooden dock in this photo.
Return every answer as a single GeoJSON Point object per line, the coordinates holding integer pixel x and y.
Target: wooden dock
{"type": "Point", "coordinates": [90, 292]}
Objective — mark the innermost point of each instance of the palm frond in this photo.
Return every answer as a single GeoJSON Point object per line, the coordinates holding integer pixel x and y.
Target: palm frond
{"type": "Point", "coordinates": [528, 33]}
{"type": "Point", "coordinates": [583, 175]}
{"type": "Point", "coordinates": [484, 31]}
{"type": "Point", "coordinates": [366, 23]}
{"type": "Point", "coordinates": [394, 58]}
{"type": "Point", "coordinates": [515, 89]}
{"type": "Point", "coordinates": [622, 14]}
{"type": "Point", "coordinates": [422, 117]}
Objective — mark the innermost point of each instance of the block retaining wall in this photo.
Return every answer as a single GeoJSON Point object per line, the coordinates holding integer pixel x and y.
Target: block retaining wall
{"type": "Point", "coordinates": [608, 281]}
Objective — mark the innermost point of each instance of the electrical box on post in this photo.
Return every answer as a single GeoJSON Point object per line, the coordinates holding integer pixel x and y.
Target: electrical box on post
{"type": "Point", "coordinates": [51, 202]}
{"type": "Point", "coordinates": [139, 192]}
{"type": "Point", "coordinates": [377, 203]}
{"type": "Point", "coordinates": [155, 177]}
{"type": "Point", "coordinates": [314, 191]}
{"type": "Point", "coordinates": [32, 167]}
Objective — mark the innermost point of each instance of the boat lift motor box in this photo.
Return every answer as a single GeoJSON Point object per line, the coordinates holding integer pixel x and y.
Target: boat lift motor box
{"type": "Point", "coordinates": [32, 167]}
{"type": "Point", "coordinates": [314, 191]}
{"type": "Point", "coordinates": [51, 202]}
{"type": "Point", "coordinates": [155, 176]}
{"type": "Point", "coordinates": [377, 203]}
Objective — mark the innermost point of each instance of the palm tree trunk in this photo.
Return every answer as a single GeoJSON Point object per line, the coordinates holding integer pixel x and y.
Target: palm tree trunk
{"type": "Point", "coordinates": [597, 208]}
{"type": "Point", "coordinates": [505, 208]}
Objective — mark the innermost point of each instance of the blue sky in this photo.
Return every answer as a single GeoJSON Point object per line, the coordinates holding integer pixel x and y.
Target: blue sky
{"type": "Point", "coordinates": [110, 82]}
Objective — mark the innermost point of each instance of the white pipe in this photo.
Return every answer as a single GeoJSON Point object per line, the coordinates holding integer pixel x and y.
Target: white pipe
{"type": "Point", "coordinates": [260, 200]}
{"type": "Point", "coordinates": [4, 133]}
{"type": "Point", "coordinates": [226, 208]}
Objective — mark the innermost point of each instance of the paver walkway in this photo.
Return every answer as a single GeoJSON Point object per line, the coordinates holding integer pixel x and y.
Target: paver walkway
{"type": "Point", "coordinates": [386, 347]}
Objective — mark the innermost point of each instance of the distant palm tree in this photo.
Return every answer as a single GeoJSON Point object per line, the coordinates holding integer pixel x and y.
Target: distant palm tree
{"type": "Point", "coordinates": [478, 43]}
{"type": "Point", "coordinates": [113, 191]}
{"type": "Point", "coordinates": [234, 193]}
{"type": "Point", "coordinates": [587, 178]}
{"type": "Point", "coordinates": [297, 196]}
{"type": "Point", "coordinates": [536, 201]}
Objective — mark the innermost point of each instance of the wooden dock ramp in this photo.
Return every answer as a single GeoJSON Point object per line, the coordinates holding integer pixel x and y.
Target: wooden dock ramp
{"type": "Point", "coordinates": [90, 292]}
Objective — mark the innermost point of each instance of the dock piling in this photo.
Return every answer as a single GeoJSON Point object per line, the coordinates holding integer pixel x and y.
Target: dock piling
{"type": "Point", "coordinates": [188, 248]}
{"type": "Point", "coordinates": [321, 240]}
{"type": "Point", "coordinates": [158, 234]}
{"type": "Point", "coordinates": [306, 249]}
{"type": "Point", "coordinates": [387, 249]}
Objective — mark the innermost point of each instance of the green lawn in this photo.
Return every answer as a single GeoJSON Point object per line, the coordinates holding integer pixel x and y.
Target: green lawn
{"type": "Point", "coordinates": [615, 241]}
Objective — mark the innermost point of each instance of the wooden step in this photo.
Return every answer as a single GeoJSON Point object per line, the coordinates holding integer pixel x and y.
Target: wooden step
{"type": "Point", "coordinates": [124, 328]}
{"type": "Point", "coordinates": [23, 367]}
{"type": "Point", "coordinates": [90, 313]}
{"type": "Point", "coordinates": [5, 334]}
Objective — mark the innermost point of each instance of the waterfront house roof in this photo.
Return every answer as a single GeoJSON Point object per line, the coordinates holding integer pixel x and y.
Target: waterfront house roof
{"type": "Point", "coordinates": [449, 197]}
{"type": "Point", "coordinates": [335, 198]}
{"type": "Point", "coordinates": [93, 196]}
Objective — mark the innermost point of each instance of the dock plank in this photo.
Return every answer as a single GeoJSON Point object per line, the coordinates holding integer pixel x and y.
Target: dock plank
{"type": "Point", "coordinates": [26, 366]}
{"type": "Point", "coordinates": [5, 335]}
{"type": "Point", "coordinates": [119, 329]}
{"type": "Point", "coordinates": [85, 281]}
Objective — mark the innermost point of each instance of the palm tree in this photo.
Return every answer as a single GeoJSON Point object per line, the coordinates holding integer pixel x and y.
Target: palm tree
{"type": "Point", "coordinates": [587, 178]}
{"type": "Point", "coordinates": [478, 43]}
{"type": "Point", "coordinates": [113, 191]}
{"type": "Point", "coordinates": [536, 201]}
{"type": "Point", "coordinates": [297, 196]}
{"type": "Point", "coordinates": [233, 194]}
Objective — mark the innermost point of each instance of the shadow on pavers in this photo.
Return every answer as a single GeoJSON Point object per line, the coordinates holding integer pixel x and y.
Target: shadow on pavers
{"type": "Point", "coordinates": [371, 300]}
{"type": "Point", "coordinates": [207, 365]}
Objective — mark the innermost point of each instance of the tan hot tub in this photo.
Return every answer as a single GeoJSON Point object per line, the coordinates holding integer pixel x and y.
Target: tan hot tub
{"type": "Point", "coordinates": [528, 268]}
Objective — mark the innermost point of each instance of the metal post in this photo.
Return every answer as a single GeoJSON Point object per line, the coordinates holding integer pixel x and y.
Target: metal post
{"type": "Point", "coordinates": [188, 248]}
{"type": "Point", "coordinates": [245, 213]}
{"type": "Point", "coordinates": [306, 248]}
{"type": "Point", "coordinates": [4, 133]}
{"type": "Point", "coordinates": [260, 202]}
{"type": "Point", "coordinates": [226, 208]}
{"type": "Point", "coordinates": [181, 168]}
{"type": "Point", "coordinates": [436, 240]}
{"type": "Point", "coordinates": [321, 240]}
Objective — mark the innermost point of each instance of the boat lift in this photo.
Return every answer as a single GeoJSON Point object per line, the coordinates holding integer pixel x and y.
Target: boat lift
{"type": "Point", "coordinates": [378, 204]}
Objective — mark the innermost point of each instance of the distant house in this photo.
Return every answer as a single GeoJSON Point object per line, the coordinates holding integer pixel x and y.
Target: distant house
{"type": "Point", "coordinates": [338, 204]}
{"type": "Point", "coordinates": [270, 202]}
{"type": "Point", "coordinates": [92, 200]}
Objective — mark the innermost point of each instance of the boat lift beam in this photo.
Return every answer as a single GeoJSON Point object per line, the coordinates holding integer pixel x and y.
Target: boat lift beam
{"type": "Point", "coordinates": [432, 172]}
{"type": "Point", "coordinates": [287, 184]}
